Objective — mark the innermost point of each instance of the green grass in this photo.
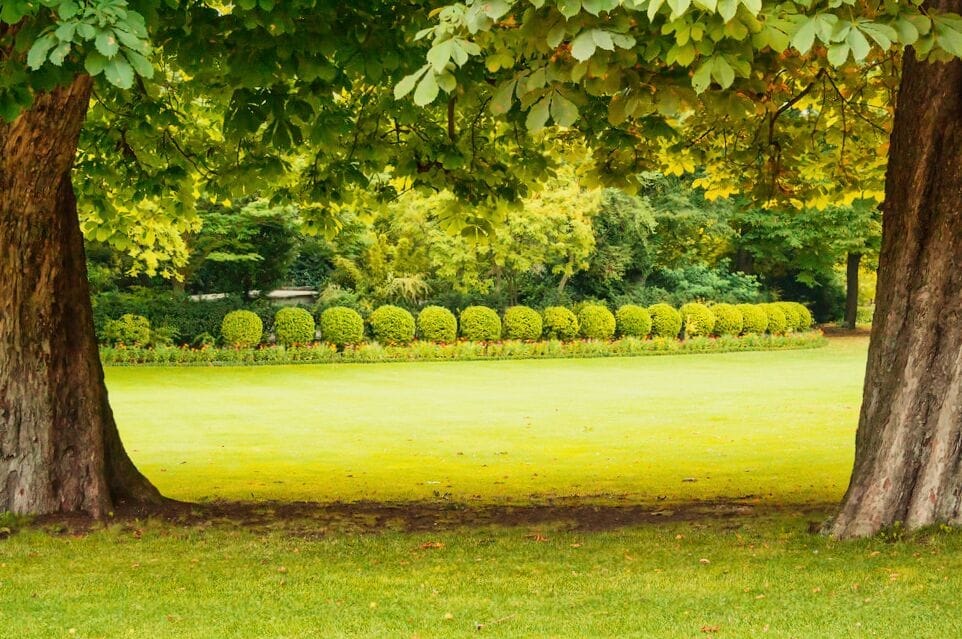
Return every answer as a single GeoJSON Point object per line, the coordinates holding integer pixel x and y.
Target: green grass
{"type": "Point", "coordinates": [776, 425]}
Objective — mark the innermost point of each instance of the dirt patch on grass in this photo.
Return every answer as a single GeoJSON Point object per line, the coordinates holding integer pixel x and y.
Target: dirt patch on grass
{"type": "Point", "coordinates": [312, 519]}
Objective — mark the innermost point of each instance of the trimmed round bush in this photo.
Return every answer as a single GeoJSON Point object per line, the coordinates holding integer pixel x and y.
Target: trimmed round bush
{"type": "Point", "coordinates": [805, 319]}
{"type": "Point", "coordinates": [342, 326]}
{"type": "Point", "coordinates": [665, 321]}
{"type": "Point", "coordinates": [129, 330]}
{"type": "Point", "coordinates": [522, 322]}
{"type": "Point", "coordinates": [293, 325]}
{"type": "Point", "coordinates": [792, 319]}
{"type": "Point", "coordinates": [754, 319]}
{"type": "Point", "coordinates": [392, 325]}
{"type": "Point", "coordinates": [242, 329]}
{"type": "Point", "coordinates": [728, 320]}
{"type": "Point", "coordinates": [777, 322]}
{"type": "Point", "coordinates": [437, 324]}
{"type": "Point", "coordinates": [480, 324]}
{"type": "Point", "coordinates": [560, 323]}
{"type": "Point", "coordinates": [633, 321]}
{"type": "Point", "coordinates": [596, 322]}
{"type": "Point", "coordinates": [698, 320]}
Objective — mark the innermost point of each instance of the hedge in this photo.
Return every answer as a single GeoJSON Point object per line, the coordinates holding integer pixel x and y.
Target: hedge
{"type": "Point", "coordinates": [294, 325]}
{"type": "Point", "coordinates": [596, 322]}
{"type": "Point", "coordinates": [128, 329]}
{"type": "Point", "coordinates": [342, 326]}
{"type": "Point", "coordinates": [754, 319]}
{"type": "Point", "coordinates": [777, 322]}
{"type": "Point", "coordinates": [633, 321]}
{"type": "Point", "coordinates": [370, 352]}
{"type": "Point", "coordinates": [437, 324]}
{"type": "Point", "coordinates": [728, 320]}
{"type": "Point", "coordinates": [392, 325]}
{"type": "Point", "coordinates": [697, 320]}
{"type": "Point", "coordinates": [522, 322]}
{"type": "Point", "coordinates": [793, 320]}
{"type": "Point", "coordinates": [665, 321]}
{"type": "Point", "coordinates": [242, 329]}
{"type": "Point", "coordinates": [480, 324]}
{"type": "Point", "coordinates": [560, 323]}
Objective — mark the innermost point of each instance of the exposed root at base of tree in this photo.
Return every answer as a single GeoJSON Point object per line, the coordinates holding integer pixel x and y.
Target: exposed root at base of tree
{"type": "Point", "coordinates": [313, 519]}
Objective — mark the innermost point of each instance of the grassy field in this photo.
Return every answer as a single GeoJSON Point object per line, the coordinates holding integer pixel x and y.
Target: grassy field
{"type": "Point", "coordinates": [769, 433]}
{"type": "Point", "coordinates": [776, 425]}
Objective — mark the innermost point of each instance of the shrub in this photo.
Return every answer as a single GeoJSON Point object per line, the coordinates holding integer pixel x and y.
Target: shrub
{"type": "Point", "coordinates": [342, 326]}
{"type": "Point", "coordinates": [754, 319]}
{"type": "Point", "coordinates": [633, 321]}
{"type": "Point", "coordinates": [596, 322]}
{"type": "Point", "coordinates": [480, 324]}
{"type": "Point", "coordinates": [560, 323]}
{"type": "Point", "coordinates": [777, 323]}
{"type": "Point", "coordinates": [129, 330]}
{"type": "Point", "coordinates": [728, 320]}
{"type": "Point", "coordinates": [242, 329]}
{"type": "Point", "coordinates": [698, 319]}
{"type": "Point", "coordinates": [437, 324]}
{"type": "Point", "coordinates": [804, 316]}
{"type": "Point", "coordinates": [522, 322]}
{"type": "Point", "coordinates": [665, 321]}
{"type": "Point", "coordinates": [293, 326]}
{"type": "Point", "coordinates": [792, 319]}
{"type": "Point", "coordinates": [392, 325]}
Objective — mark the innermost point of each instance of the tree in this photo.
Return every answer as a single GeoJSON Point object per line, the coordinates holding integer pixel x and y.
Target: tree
{"type": "Point", "coordinates": [788, 69]}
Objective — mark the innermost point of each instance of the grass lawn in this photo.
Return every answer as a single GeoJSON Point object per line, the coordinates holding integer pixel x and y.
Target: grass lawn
{"type": "Point", "coordinates": [773, 430]}
{"type": "Point", "coordinates": [776, 425]}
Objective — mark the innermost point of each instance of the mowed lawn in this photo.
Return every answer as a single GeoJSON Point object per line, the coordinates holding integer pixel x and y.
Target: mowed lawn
{"type": "Point", "coordinates": [775, 426]}
{"type": "Point", "coordinates": [774, 430]}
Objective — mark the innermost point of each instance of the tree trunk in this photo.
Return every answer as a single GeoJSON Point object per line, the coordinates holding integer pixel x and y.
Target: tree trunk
{"type": "Point", "coordinates": [851, 289]}
{"type": "Point", "coordinates": [59, 446]}
{"type": "Point", "coordinates": [908, 467]}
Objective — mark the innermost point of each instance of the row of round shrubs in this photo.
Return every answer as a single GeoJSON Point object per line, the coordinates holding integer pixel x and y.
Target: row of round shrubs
{"type": "Point", "coordinates": [394, 325]}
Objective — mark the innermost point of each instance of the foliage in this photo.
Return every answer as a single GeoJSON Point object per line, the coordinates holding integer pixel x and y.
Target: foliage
{"type": "Point", "coordinates": [480, 324]}
{"type": "Point", "coordinates": [522, 323]}
{"type": "Point", "coordinates": [341, 326]}
{"type": "Point", "coordinates": [633, 321]}
{"type": "Point", "coordinates": [701, 282]}
{"type": "Point", "coordinates": [793, 319]}
{"type": "Point", "coordinates": [242, 329]}
{"type": "Point", "coordinates": [665, 321]}
{"type": "Point", "coordinates": [294, 326]}
{"type": "Point", "coordinates": [372, 352]}
{"type": "Point", "coordinates": [777, 322]}
{"type": "Point", "coordinates": [437, 324]}
{"type": "Point", "coordinates": [596, 322]}
{"type": "Point", "coordinates": [392, 325]}
{"type": "Point", "coordinates": [129, 329]}
{"type": "Point", "coordinates": [728, 320]}
{"type": "Point", "coordinates": [560, 323]}
{"type": "Point", "coordinates": [754, 319]}
{"type": "Point", "coordinates": [805, 319]}
{"type": "Point", "coordinates": [697, 320]}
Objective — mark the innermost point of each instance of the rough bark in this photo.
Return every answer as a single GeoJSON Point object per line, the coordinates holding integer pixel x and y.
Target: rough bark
{"type": "Point", "coordinates": [851, 289]}
{"type": "Point", "coordinates": [907, 458]}
{"type": "Point", "coordinates": [59, 446]}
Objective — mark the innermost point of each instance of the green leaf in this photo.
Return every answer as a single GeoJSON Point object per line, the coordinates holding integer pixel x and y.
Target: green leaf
{"type": "Point", "coordinates": [838, 53]}
{"type": "Point", "coordinates": [569, 8]}
{"type": "Point", "coordinates": [583, 46]}
{"type": "Point", "coordinates": [538, 115]}
{"type": "Point", "coordinates": [727, 9]}
{"type": "Point", "coordinates": [883, 34]}
{"type": "Point", "coordinates": [858, 43]}
{"type": "Point", "coordinates": [38, 52]}
{"type": "Point", "coordinates": [563, 111]}
{"type": "Point", "coordinates": [427, 90]}
{"type": "Point", "coordinates": [406, 85]}
{"type": "Point", "coordinates": [94, 63]}
{"type": "Point", "coordinates": [503, 97]}
{"type": "Point", "coordinates": [440, 54]}
{"type": "Point", "coordinates": [723, 72]}
{"type": "Point", "coordinates": [701, 79]}
{"type": "Point", "coordinates": [119, 73]}
{"type": "Point", "coordinates": [678, 7]}
{"type": "Point", "coordinates": [106, 43]}
{"type": "Point", "coordinates": [603, 39]}
{"type": "Point", "coordinates": [804, 37]}
{"type": "Point", "coordinates": [140, 63]}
